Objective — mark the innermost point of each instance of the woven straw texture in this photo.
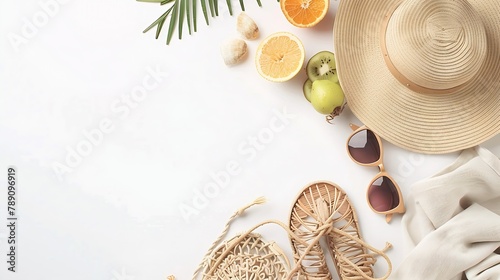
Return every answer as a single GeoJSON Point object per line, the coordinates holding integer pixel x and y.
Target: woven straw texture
{"type": "Point", "coordinates": [322, 211]}
{"type": "Point", "coordinates": [250, 259]}
{"type": "Point", "coordinates": [423, 74]}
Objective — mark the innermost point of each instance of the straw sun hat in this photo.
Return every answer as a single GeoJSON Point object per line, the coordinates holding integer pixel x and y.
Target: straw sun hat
{"type": "Point", "coordinates": [423, 74]}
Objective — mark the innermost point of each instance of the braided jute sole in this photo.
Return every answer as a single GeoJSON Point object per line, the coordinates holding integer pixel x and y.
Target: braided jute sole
{"type": "Point", "coordinates": [323, 210]}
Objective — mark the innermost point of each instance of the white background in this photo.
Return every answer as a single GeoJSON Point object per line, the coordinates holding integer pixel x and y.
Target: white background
{"type": "Point", "coordinates": [114, 214]}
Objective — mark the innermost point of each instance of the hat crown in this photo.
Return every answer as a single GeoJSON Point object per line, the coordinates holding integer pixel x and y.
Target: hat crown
{"type": "Point", "coordinates": [443, 29]}
{"type": "Point", "coordinates": [435, 44]}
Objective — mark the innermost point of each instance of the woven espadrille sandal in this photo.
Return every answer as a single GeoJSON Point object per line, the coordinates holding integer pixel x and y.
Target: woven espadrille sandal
{"type": "Point", "coordinates": [323, 211]}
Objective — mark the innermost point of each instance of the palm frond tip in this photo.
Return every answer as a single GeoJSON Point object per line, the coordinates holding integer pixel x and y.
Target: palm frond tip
{"type": "Point", "coordinates": [181, 11]}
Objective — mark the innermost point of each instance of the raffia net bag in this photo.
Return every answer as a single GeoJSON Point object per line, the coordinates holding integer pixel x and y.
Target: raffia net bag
{"type": "Point", "coordinates": [246, 256]}
{"type": "Point", "coordinates": [249, 258]}
{"type": "Point", "coordinates": [322, 211]}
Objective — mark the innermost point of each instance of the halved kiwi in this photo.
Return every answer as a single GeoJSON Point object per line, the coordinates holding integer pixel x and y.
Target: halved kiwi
{"type": "Point", "coordinates": [306, 88]}
{"type": "Point", "coordinates": [322, 67]}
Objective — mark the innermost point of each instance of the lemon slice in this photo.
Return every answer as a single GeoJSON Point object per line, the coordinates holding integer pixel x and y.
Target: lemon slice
{"type": "Point", "coordinates": [280, 57]}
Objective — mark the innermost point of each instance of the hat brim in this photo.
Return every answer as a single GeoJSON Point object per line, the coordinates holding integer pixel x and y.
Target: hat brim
{"type": "Point", "coordinates": [420, 122]}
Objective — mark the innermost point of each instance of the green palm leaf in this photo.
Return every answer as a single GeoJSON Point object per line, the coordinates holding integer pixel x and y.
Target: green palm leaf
{"type": "Point", "coordinates": [193, 4]}
{"type": "Point", "coordinates": [186, 9]}
{"type": "Point", "coordinates": [182, 10]}
{"type": "Point", "coordinates": [211, 5]}
{"type": "Point", "coordinates": [188, 15]}
{"type": "Point", "coordinates": [173, 22]}
{"type": "Point", "coordinates": [204, 8]}
{"type": "Point", "coordinates": [228, 3]}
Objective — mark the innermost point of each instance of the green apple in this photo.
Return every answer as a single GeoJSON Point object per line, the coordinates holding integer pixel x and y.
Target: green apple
{"type": "Point", "coordinates": [326, 96]}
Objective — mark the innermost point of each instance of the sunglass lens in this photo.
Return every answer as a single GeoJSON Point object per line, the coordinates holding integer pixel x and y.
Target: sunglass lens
{"type": "Point", "coordinates": [383, 194]}
{"type": "Point", "coordinates": [364, 147]}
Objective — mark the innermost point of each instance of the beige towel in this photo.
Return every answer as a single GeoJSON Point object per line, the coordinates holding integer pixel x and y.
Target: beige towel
{"type": "Point", "coordinates": [452, 222]}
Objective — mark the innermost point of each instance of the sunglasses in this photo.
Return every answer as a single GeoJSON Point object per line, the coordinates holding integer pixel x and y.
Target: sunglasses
{"type": "Point", "coordinates": [383, 195]}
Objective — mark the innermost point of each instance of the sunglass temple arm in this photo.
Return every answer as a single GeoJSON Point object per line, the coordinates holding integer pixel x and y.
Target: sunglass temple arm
{"type": "Point", "coordinates": [353, 126]}
{"type": "Point", "coordinates": [388, 218]}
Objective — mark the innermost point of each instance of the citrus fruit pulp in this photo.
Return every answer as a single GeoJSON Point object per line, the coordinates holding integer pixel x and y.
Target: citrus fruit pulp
{"type": "Point", "coordinates": [280, 57]}
{"type": "Point", "coordinates": [304, 13]}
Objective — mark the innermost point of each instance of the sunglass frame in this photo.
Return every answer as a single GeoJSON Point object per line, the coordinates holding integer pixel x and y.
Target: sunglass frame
{"type": "Point", "coordinates": [400, 208]}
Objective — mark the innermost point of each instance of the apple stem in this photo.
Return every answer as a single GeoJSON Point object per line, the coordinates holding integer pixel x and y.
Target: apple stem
{"type": "Point", "coordinates": [336, 112]}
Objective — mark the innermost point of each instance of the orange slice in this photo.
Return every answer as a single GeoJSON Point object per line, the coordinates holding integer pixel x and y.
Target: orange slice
{"type": "Point", "coordinates": [280, 57]}
{"type": "Point", "coordinates": [304, 13]}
